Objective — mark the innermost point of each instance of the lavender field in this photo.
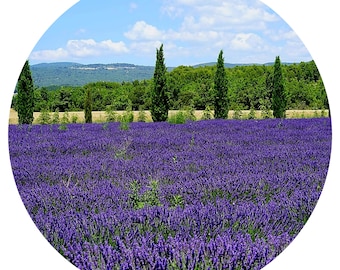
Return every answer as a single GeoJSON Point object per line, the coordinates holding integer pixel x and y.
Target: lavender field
{"type": "Point", "coordinates": [217, 194]}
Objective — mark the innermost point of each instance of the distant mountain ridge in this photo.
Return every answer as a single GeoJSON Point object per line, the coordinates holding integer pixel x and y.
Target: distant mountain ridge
{"type": "Point", "coordinates": [75, 74]}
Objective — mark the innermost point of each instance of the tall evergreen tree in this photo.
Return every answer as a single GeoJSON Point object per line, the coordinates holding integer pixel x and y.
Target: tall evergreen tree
{"type": "Point", "coordinates": [279, 97]}
{"type": "Point", "coordinates": [25, 98]}
{"type": "Point", "coordinates": [159, 95]}
{"type": "Point", "coordinates": [221, 90]}
{"type": "Point", "coordinates": [88, 106]}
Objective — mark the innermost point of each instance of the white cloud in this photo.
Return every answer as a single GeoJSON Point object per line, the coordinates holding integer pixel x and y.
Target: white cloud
{"type": "Point", "coordinates": [194, 28]}
{"type": "Point", "coordinates": [145, 47]}
{"type": "Point", "coordinates": [247, 41]}
{"type": "Point", "coordinates": [295, 49]}
{"type": "Point", "coordinates": [114, 47]}
{"type": "Point", "coordinates": [49, 55]}
{"type": "Point", "coordinates": [236, 15]}
{"type": "Point", "coordinates": [282, 35]}
{"type": "Point", "coordinates": [89, 47]}
{"type": "Point", "coordinates": [76, 49]}
{"type": "Point", "coordinates": [199, 36]}
{"type": "Point", "coordinates": [143, 31]}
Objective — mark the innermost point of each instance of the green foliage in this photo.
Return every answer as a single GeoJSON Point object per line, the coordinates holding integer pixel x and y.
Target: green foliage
{"type": "Point", "coordinates": [126, 118]}
{"type": "Point", "coordinates": [65, 119]}
{"type": "Point", "coordinates": [252, 114]}
{"type": "Point", "coordinates": [135, 199]}
{"type": "Point", "coordinates": [55, 117]}
{"type": "Point", "coordinates": [88, 106]}
{"type": "Point", "coordinates": [207, 114]}
{"type": "Point", "coordinates": [237, 113]}
{"type": "Point", "coordinates": [248, 86]}
{"type": "Point", "coordinates": [265, 108]}
{"type": "Point", "coordinates": [177, 118]}
{"type": "Point", "coordinates": [176, 201]}
{"type": "Point", "coordinates": [25, 97]}
{"type": "Point", "coordinates": [182, 116]}
{"type": "Point", "coordinates": [74, 118]}
{"type": "Point", "coordinates": [124, 125]}
{"type": "Point", "coordinates": [189, 112]}
{"type": "Point", "coordinates": [221, 89]}
{"type": "Point", "coordinates": [141, 115]}
{"type": "Point", "coordinates": [63, 126]}
{"type": "Point", "coordinates": [149, 198]}
{"type": "Point", "coordinates": [279, 98]}
{"type": "Point", "coordinates": [44, 118]}
{"type": "Point", "coordinates": [111, 114]}
{"type": "Point", "coordinates": [159, 96]}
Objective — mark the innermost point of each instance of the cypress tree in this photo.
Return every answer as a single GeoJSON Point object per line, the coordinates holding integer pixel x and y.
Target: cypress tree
{"type": "Point", "coordinates": [25, 98]}
{"type": "Point", "coordinates": [221, 90]}
{"type": "Point", "coordinates": [88, 106]}
{"type": "Point", "coordinates": [279, 98]}
{"type": "Point", "coordinates": [160, 100]}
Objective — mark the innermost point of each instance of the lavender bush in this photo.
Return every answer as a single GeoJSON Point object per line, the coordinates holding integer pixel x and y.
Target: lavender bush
{"type": "Point", "coordinates": [216, 194]}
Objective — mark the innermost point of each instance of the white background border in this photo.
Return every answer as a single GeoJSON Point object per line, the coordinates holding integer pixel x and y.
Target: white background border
{"type": "Point", "coordinates": [23, 22]}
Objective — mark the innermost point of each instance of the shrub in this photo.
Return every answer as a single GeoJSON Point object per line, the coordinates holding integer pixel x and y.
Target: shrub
{"type": "Point", "coordinates": [111, 115]}
{"type": "Point", "coordinates": [141, 115]}
{"type": "Point", "coordinates": [177, 118]}
{"type": "Point", "coordinates": [252, 114]}
{"type": "Point", "coordinates": [149, 197]}
{"type": "Point", "coordinates": [55, 117]}
{"type": "Point", "coordinates": [126, 118]}
{"type": "Point", "coordinates": [237, 113]}
{"type": "Point", "coordinates": [184, 115]}
{"type": "Point", "coordinates": [74, 118]}
{"type": "Point", "coordinates": [189, 113]}
{"type": "Point", "coordinates": [44, 117]}
{"type": "Point", "coordinates": [65, 119]}
{"type": "Point", "coordinates": [207, 114]}
{"type": "Point", "coordinates": [265, 109]}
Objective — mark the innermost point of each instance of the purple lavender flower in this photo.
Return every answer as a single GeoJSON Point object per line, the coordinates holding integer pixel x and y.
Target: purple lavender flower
{"type": "Point", "coordinates": [217, 194]}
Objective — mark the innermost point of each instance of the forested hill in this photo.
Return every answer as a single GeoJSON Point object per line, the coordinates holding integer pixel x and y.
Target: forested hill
{"type": "Point", "coordinates": [74, 74]}
{"type": "Point", "coordinates": [249, 86]}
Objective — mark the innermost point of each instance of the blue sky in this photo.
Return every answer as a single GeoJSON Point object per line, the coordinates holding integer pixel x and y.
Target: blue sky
{"type": "Point", "coordinates": [192, 31]}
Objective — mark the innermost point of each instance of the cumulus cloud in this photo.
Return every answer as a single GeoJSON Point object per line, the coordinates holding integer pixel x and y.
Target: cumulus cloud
{"type": "Point", "coordinates": [145, 47]}
{"type": "Point", "coordinates": [49, 55]}
{"type": "Point", "coordinates": [209, 22]}
{"type": "Point", "coordinates": [143, 31]}
{"type": "Point", "coordinates": [83, 48]}
{"type": "Point", "coordinates": [194, 28]}
{"type": "Point", "coordinates": [247, 41]}
{"type": "Point", "coordinates": [89, 47]}
{"type": "Point", "coordinates": [283, 35]}
{"type": "Point", "coordinates": [239, 15]}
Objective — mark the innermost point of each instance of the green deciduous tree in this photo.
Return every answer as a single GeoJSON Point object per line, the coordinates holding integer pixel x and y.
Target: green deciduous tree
{"type": "Point", "coordinates": [25, 98]}
{"type": "Point", "coordinates": [88, 106]}
{"type": "Point", "coordinates": [159, 96]}
{"type": "Point", "coordinates": [221, 90]}
{"type": "Point", "coordinates": [279, 97]}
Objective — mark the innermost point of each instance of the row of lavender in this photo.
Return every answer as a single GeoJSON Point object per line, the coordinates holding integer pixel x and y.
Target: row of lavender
{"type": "Point", "coordinates": [218, 194]}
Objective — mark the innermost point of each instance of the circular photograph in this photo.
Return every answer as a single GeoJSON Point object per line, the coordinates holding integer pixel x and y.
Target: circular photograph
{"type": "Point", "coordinates": [162, 134]}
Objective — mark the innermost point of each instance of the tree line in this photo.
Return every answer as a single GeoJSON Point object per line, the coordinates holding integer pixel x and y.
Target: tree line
{"type": "Point", "coordinates": [254, 87]}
